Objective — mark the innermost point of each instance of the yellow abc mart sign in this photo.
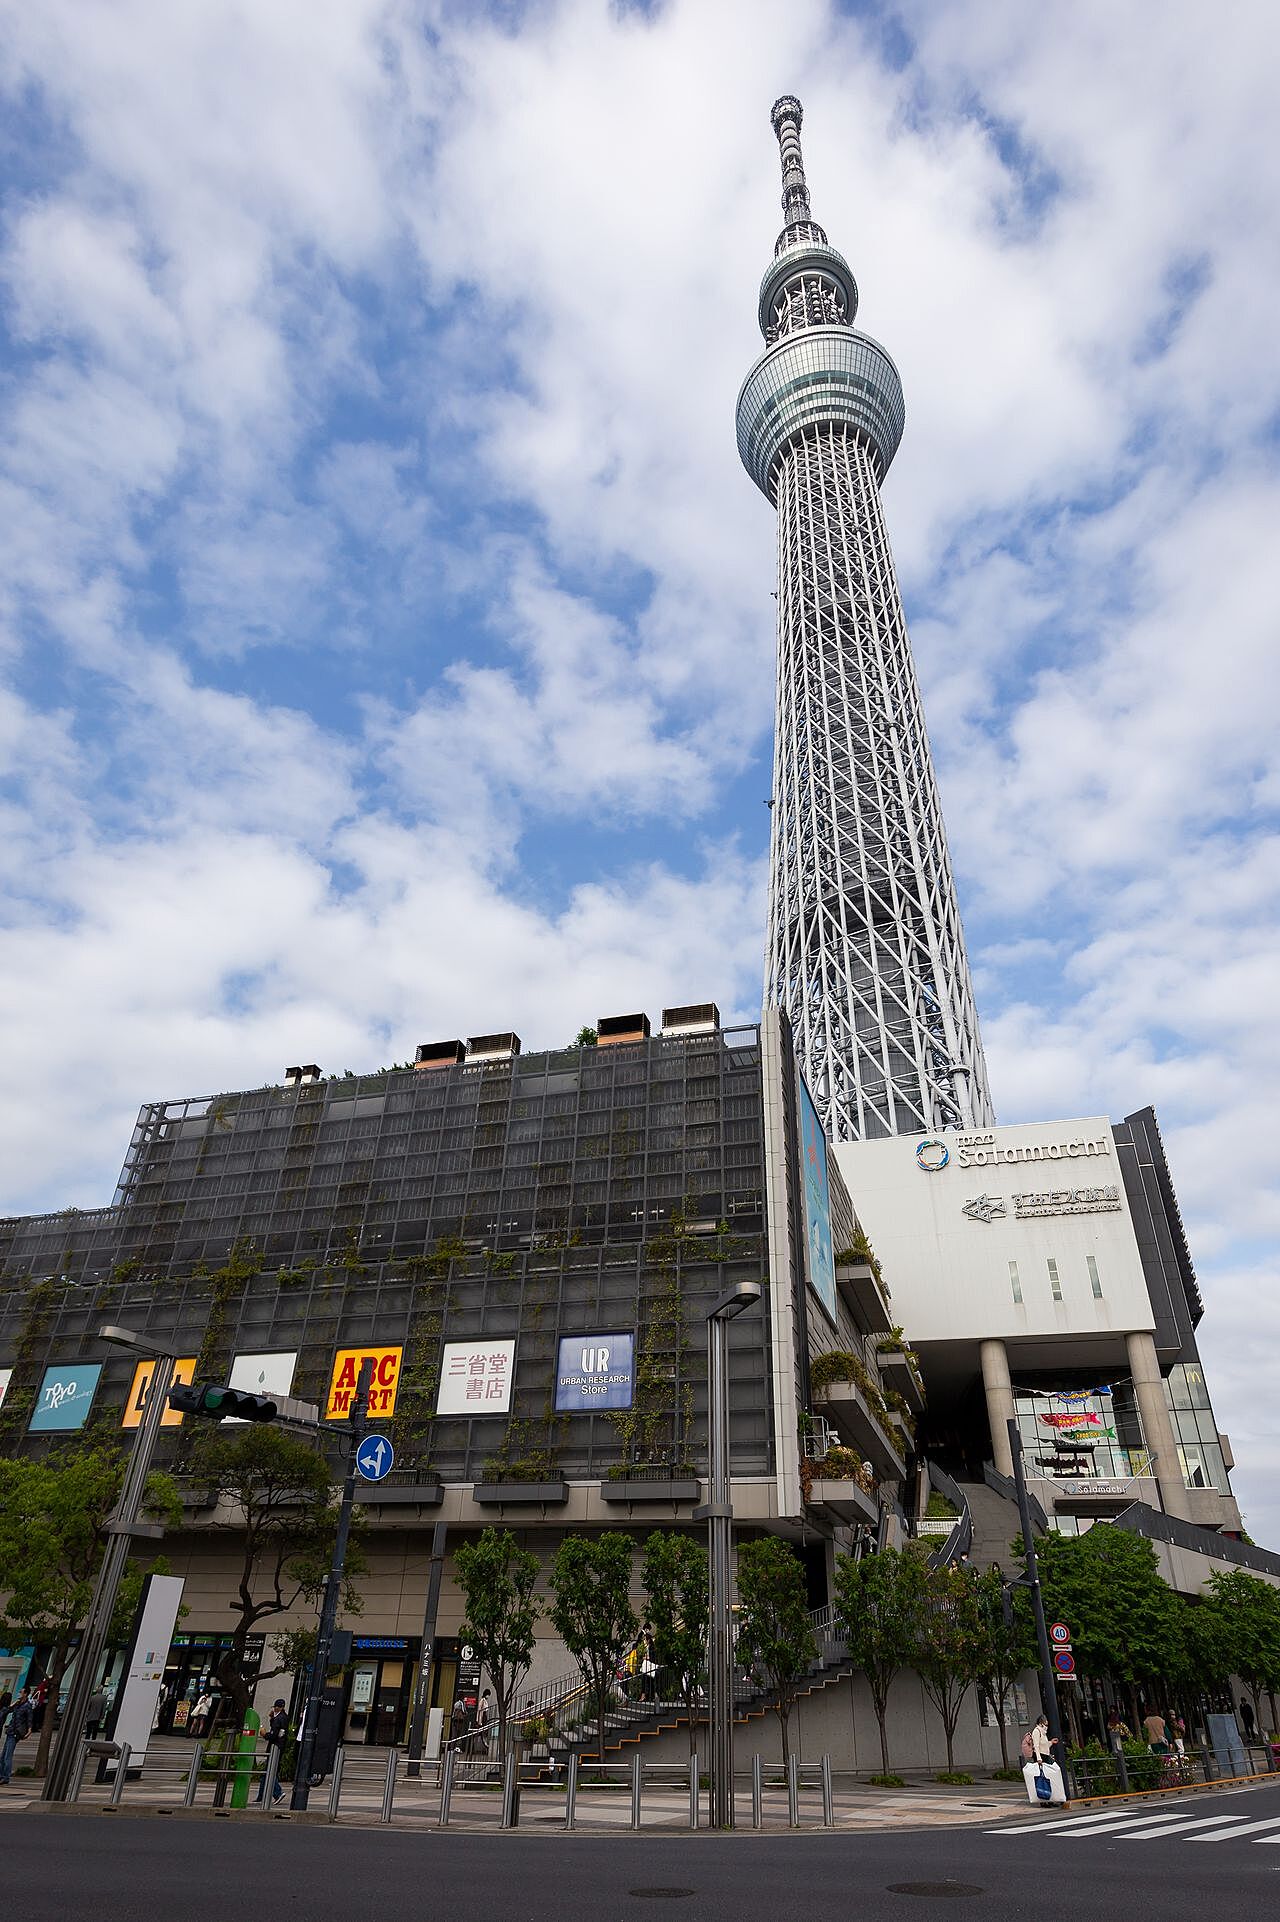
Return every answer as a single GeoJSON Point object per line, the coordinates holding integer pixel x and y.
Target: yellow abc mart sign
{"type": "Point", "coordinates": [135, 1407]}
{"type": "Point", "coordinates": [346, 1374]}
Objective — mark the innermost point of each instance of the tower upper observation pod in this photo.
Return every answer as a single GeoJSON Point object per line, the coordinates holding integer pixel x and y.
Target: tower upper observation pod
{"type": "Point", "coordinates": [865, 948]}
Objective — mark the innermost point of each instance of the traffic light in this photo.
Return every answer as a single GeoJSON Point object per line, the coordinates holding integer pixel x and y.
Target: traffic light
{"type": "Point", "coordinates": [222, 1404]}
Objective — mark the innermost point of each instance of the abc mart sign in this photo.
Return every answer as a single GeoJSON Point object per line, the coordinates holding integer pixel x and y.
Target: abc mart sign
{"type": "Point", "coordinates": [984, 1151]}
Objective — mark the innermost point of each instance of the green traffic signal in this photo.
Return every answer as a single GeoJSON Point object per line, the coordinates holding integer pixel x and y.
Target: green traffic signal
{"type": "Point", "coordinates": [222, 1404]}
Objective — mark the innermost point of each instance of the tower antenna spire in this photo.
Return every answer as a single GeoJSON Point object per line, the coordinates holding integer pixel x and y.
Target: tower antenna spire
{"type": "Point", "coordinates": [787, 117]}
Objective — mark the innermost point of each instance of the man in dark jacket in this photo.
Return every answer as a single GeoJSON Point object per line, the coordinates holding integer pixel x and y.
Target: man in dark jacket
{"type": "Point", "coordinates": [16, 1730]}
{"type": "Point", "coordinates": [275, 1735]}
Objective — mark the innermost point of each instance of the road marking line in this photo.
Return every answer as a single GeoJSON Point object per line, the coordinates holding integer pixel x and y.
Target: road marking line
{"type": "Point", "coordinates": [1152, 1831]}
{"type": "Point", "coordinates": [1241, 1828]}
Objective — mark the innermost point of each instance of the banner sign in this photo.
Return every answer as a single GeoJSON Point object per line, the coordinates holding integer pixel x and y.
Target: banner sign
{"type": "Point", "coordinates": [6, 1376]}
{"type": "Point", "coordinates": [817, 1204]}
{"type": "Point", "coordinates": [346, 1377]}
{"type": "Point", "coordinates": [1080, 1419]}
{"type": "Point", "coordinates": [263, 1375]}
{"type": "Point", "coordinates": [594, 1371]}
{"type": "Point", "coordinates": [135, 1407]}
{"type": "Point", "coordinates": [475, 1377]}
{"type": "Point", "coordinates": [65, 1398]}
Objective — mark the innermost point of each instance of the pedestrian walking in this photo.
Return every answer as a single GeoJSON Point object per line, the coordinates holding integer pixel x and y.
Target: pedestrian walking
{"type": "Point", "coordinates": [275, 1735]}
{"type": "Point", "coordinates": [200, 1713]}
{"type": "Point", "coordinates": [484, 1715]}
{"type": "Point", "coordinates": [39, 1702]}
{"type": "Point", "coordinates": [648, 1666]}
{"type": "Point", "coordinates": [1157, 1732]}
{"type": "Point", "coordinates": [1041, 1746]}
{"type": "Point", "coordinates": [1247, 1719]}
{"type": "Point", "coordinates": [459, 1723]}
{"type": "Point", "coordinates": [6, 1703]}
{"type": "Point", "coordinates": [1118, 1731]}
{"type": "Point", "coordinates": [16, 1729]}
{"type": "Point", "coordinates": [94, 1712]}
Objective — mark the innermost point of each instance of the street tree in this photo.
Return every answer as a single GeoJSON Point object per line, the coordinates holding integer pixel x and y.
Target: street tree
{"type": "Point", "coordinates": [876, 1601]}
{"type": "Point", "coordinates": [52, 1515]}
{"type": "Point", "coordinates": [676, 1582]}
{"type": "Point", "coordinates": [1246, 1613]}
{"type": "Point", "coordinates": [497, 1580]}
{"type": "Point", "coordinates": [1006, 1647]}
{"type": "Point", "coordinates": [1125, 1622]}
{"type": "Point", "coordinates": [775, 1636]}
{"type": "Point", "coordinates": [950, 1644]}
{"type": "Point", "coordinates": [285, 1516]}
{"type": "Point", "coordinates": [591, 1610]}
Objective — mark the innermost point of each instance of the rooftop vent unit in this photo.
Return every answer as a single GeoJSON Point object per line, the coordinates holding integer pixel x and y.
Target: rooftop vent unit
{"type": "Point", "coordinates": [492, 1047]}
{"type": "Point", "coordinates": [701, 1017]}
{"type": "Point", "coordinates": [301, 1077]}
{"type": "Point", "coordinates": [611, 1029]}
{"type": "Point", "coordinates": [439, 1054]}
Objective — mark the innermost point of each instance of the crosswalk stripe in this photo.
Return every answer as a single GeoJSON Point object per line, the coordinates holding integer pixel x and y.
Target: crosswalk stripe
{"type": "Point", "coordinates": [1051, 1828]}
{"type": "Point", "coordinates": [1240, 1828]}
{"type": "Point", "coordinates": [1153, 1831]}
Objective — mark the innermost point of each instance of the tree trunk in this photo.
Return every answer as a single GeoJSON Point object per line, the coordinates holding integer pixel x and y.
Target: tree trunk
{"type": "Point", "coordinates": [57, 1669]}
{"type": "Point", "coordinates": [882, 1716]}
{"type": "Point", "coordinates": [1004, 1733]}
{"type": "Point", "coordinates": [949, 1730]}
{"type": "Point", "coordinates": [784, 1719]}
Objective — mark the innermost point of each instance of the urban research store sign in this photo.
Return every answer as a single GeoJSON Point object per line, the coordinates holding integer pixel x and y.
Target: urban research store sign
{"type": "Point", "coordinates": [594, 1371]}
{"type": "Point", "coordinates": [475, 1377]}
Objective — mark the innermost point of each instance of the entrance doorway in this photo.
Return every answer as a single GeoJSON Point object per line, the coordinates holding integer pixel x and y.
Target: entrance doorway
{"type": "Point", "coordinates": [378, 1690]}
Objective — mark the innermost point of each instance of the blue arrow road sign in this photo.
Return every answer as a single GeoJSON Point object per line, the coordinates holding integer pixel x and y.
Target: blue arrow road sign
{"type": "Point", "coordinates": [376, 1457]}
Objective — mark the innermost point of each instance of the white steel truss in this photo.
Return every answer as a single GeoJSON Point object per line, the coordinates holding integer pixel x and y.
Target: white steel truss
{"type": "Point", "coordinates": [865, 946]}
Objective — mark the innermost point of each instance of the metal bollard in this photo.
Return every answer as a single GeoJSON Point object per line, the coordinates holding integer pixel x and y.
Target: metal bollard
{"type": "Point", "coordinates": [446, 1787]}
{"type": "Point", "coordinates": [828, 1798]}
{"type": "Point", "coordinates": [693, 1790]}
{"type": "Point", "coordinates": [389, 1786]}
{"type": "Point", "coordinates": [335, 1784]}
{"type": "Point", "coordinates": [193, 1779]}
{"type": "Point", "coordinates": [269, 1774]}
{"type": "Point", "coordinates": [757, 1792]}
{"type": "Point", "coordinates": [1122, 1771]}
{"type": "Point", "coordinates": [77, 1780]}
{"type": "Point", "coordinates": [122, 1769]}
{"type": "Point", "coordinates": [510, 1791]}
{"type": "Point", "coordinates": [637, 1778]}
{"type": "Point", "coordinates": [793, 1791]}
{"type": "Point", "coordinates": [571, 1789]}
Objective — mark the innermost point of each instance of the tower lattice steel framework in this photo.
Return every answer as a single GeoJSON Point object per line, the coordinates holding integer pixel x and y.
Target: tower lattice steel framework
{"type": "Point", "coordinates": [865, 947]}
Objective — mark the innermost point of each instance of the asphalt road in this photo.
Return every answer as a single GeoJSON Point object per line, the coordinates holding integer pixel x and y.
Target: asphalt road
{"type": "Point", "coordinates": [1094, 1865]}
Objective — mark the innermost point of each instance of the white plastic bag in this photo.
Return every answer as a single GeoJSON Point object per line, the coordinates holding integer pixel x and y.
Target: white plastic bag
{"type": "Point", "coordinates": [1058, 1792]}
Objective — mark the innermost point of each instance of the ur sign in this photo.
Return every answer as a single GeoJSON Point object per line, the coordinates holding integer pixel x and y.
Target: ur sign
{"type": "Point", "coordinates": [346, 1376]}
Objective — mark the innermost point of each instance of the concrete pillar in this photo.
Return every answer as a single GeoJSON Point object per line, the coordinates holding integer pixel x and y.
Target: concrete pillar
{"type": "Point", "coordinates": [995, 1379]}
{"type": "Point", "coordinates": [1157, 1426]}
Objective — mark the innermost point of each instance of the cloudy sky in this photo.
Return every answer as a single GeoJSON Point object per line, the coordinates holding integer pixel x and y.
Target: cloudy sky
{"type": "Point", "coordinates": [385, 623]}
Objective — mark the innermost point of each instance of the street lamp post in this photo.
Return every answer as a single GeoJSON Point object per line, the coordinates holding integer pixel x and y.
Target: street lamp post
{"type": "Point", "coordinates": [1048, 1683]}
{"type": "Point", "coordinates": [123, 1527]}
{"type": "Point", "coordinates": [717, 1512]}
{"type": "Point", "coordinates": [332, 1594]}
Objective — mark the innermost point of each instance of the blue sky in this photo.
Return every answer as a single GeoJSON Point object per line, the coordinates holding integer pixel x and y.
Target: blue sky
{"type": "Point", "coordinates": [385, 622]}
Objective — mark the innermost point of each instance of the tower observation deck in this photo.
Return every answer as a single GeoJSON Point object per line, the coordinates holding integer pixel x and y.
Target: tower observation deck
{"type": "Point", "coordinates": [865, 947]}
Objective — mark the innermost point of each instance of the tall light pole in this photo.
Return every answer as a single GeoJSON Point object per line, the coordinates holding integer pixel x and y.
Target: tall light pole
{"type": "Point", "coordinates": [718, 1515]}
{"type": "Point", "coordinates": [123, 1527]}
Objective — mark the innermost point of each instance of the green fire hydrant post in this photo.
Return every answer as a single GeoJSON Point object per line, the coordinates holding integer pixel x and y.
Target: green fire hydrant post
{"type": "Point", "coordinates": [242, 1770]}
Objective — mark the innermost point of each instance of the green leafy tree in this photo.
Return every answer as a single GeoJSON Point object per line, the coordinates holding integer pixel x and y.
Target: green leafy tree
{"type": "Point", "coordinates": [592, 1612]}
{"type": "Point", "coordinates": [877, 1599]}
{"type": "Point", "coordinates": [285, 1518]}
{"type": "Point", "coordinates": [497, 1579]}
{"type": "Point", "coordinates": [1245, 1612]}
{"type": "Point", "coordinates": [950, 1644]}
{"type": "Point", "coordinates": [1006, 1648]}
{"type": "Point", "coordinates": [1125, 1622]}
{"type": "Point", "coordinates": [775, 1636]}
{"type": "Point", "coordinates": [52, 1515]}
{"type": "Point", "coordinates": [676, 1581]}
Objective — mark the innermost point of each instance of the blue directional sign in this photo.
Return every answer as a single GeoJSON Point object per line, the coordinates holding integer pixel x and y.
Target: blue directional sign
{"type": "Point", "coordinates": [375, 1457]}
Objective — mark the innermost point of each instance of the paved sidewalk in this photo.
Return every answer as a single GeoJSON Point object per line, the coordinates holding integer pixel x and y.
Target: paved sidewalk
{"type": "Point", "coordinates": [477, 1805]}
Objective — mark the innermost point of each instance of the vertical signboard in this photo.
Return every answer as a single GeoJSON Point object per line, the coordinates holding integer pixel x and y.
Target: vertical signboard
{"type": "Point", "coordinates": [346, 1376]}
{"type": "Point", "coordinates": [65, 1398]}
{"type": "Point", "coordinates": [819, 1254]}
{"type": "Point", "coordinates": [134, 1712]}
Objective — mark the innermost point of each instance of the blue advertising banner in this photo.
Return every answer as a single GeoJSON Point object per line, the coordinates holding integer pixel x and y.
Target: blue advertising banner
{"type": "Point", "coordinates": [594, 1371]}
{"type": "Point", "coordinates": [817, 1204]}
{"type": "Point", "coordinates": [65, 1398]}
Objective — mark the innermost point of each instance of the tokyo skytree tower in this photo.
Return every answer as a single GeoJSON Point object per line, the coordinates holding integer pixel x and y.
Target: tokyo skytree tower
{"type": "Point", "coordinates": [865, 948]}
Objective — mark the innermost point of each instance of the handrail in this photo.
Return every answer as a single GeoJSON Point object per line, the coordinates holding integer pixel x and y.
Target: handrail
{"type": "Point", "coordinates": [960, 1540]}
